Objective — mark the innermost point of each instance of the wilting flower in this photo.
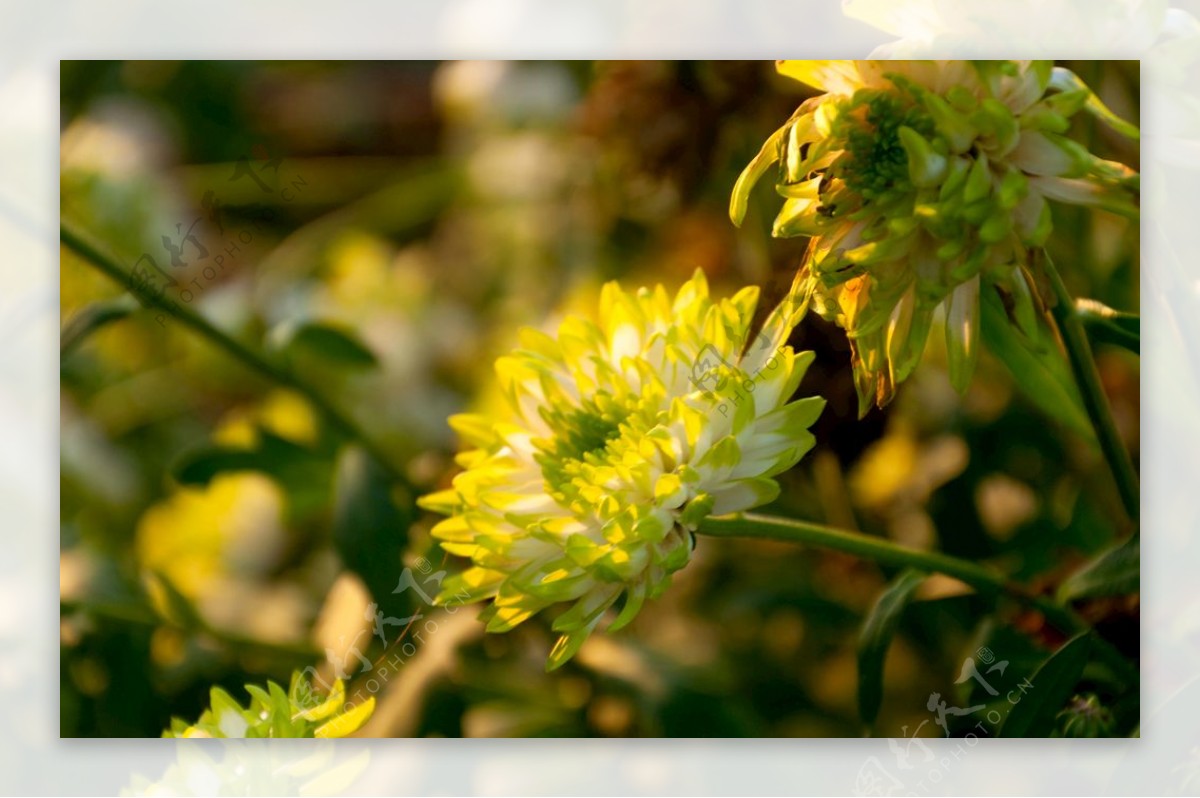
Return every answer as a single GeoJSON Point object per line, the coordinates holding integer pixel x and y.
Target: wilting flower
{"type": "Point", "coordinates": [924, 184]}
{"type": "Point", "coordinates": [619, 437]}
{"type": "Point", "coordinates": [299, 712]}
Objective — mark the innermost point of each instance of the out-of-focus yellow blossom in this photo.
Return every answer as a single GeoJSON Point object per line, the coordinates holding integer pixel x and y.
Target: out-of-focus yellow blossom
{"type": "Point", "coordinates": [233, 524]}
{"type": "Point", "coordinates": [283, 413]}
{"type": "Point", "coordinates": [217, 546]}
{"type": "Point", "coordinates": [922, 185]}
{"type": "Point", "coordinates": [619, 437]}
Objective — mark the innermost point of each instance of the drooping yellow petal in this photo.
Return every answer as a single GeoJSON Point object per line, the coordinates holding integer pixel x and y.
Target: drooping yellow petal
{"type": "Point", "coordinates": [920, 183]}
{"type": "Point", "coordinates": [348, 722]}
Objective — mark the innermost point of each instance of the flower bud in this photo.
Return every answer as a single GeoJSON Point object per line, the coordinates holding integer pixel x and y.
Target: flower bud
{"type": "Point", "coordinates": [1085, 716]}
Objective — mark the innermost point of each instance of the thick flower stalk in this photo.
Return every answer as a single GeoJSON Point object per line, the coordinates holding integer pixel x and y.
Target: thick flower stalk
{"type": "Point", "coordinates": [619, 437]}
{"type": "Point", "coordinates": [924, 184]}
{"type": "Point", "coordinates": [299, 712]}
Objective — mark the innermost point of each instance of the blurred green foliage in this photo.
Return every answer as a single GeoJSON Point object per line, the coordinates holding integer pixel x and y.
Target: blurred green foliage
{"type": "Point", "coordinates": [383, 229]}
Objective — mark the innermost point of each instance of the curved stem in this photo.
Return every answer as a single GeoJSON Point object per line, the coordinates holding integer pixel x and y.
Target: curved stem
{"type": "Point", "coordinates": [1083, 365]}
{"type": "Point", "coordinates": [983, 579]}
{"type": "Point", "coordinates": [91, 253]}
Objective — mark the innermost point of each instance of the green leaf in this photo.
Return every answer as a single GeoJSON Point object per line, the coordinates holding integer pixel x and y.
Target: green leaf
{"type": "Point", "coordinates": [1109, 326]}
{"type": "Point", "coordinates": [1024, 657]}
{"type": "Point", "coordinates": [282, 723]}
{"type": "Point", "coordinates": [325, 341]}
{"type": "Point", "coordinates": [1053, 685]}
{"type": "Point", "coordinates": [1040, 372]}
{"type": "Point", "coordinates": [1115, 571]}
{"type": "Point", "coordinates": [93, 317]}
{"type": "Point", "coordinates": [369, 529]}
{"type": "Point", "coordinates": [876, 637]}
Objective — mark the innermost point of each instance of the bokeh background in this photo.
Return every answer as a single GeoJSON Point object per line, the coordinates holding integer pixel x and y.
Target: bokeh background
{"type": "Point", "coordinates": [386, 228]}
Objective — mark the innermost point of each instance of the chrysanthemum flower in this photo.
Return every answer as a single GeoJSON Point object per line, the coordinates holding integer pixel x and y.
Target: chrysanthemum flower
{"type": "Point", "coordinates": [923, 184]}
{"type": "Point", "coordinates": [619, 437]}
{"type": "Point", "coordinates": [273, 713]}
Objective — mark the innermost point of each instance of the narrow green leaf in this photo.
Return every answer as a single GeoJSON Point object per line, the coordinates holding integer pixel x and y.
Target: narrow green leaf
{"type": "Point", "coordinates": [93, 317]}
{"type": "Point", "coordinates": [1053, 685]}
{"type": "Point", "coordinates": [328, 342]}
{"type": "Point", "coordinates": [1041, 373]}
{"type": "Point", "coordinates": [260, 695]}
{"type": "Point", "coordinates": [280, 708]}
{"type": "Point", "coordinates": [1115, 571]}
{"type": "Point", "coordinates": [876, 637]}
{"type": "Point", "coordinates": [1110, 326]}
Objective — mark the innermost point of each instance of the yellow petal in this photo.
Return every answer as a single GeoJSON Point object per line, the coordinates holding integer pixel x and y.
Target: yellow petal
{"type": "Point", "coordinates": [337, 697]}
{"type": "Point", "coordinates": [739, 199]}
{"type": "Point", "coordinates": [838, 77]}
{"type": "Point", "coordinates": [348, 722]}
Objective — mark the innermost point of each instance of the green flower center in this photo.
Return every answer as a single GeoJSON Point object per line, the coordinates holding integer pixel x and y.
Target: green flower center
{"type": "Point", "coordinates": [579, 435]}
{"type": "Point", "coordinates": [585, 431]}
{"type": "Point", "coordinates": [877, 167]}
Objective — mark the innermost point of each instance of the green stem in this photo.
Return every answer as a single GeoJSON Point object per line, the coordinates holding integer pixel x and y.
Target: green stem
{"type": "Point", "coordinates": [983, 579]}
{"type": "Point", "coordinates": [1083, 364]}
{"type": "Point", "coordinates": [339, 421]}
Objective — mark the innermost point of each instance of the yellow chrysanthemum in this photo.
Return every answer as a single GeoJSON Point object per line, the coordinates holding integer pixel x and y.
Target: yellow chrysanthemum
{"type": "Point", "coordinates": [273, 713]}
{"type": "Point", "coordinates": [922, 184]}
{"type": "Point", "coordinates": [621, 437]}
